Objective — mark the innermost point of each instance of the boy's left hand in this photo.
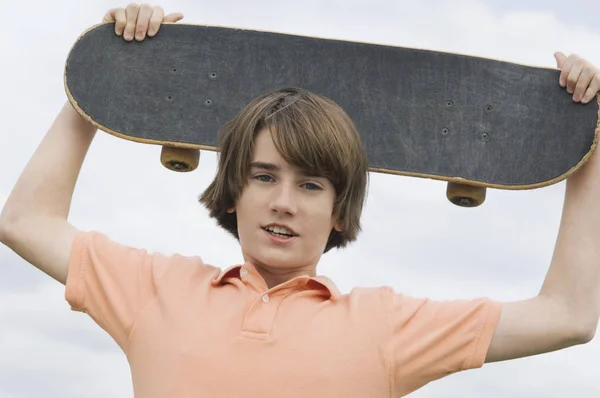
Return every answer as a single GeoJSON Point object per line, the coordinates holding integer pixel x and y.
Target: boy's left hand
{"type": "Point", "coordinates": [580, 77]}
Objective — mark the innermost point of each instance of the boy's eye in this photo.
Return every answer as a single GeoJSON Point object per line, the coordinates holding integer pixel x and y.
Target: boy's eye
{"type": "Point", "coordinates": [263, 178]}
{"type": "Point", "coordinates": [312, 187]}
{"type": "Point", "coordinates": [308, 185]}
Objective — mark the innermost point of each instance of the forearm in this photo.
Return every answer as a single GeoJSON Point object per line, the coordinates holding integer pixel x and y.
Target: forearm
{"type": "Point", "coordinates": [46, 185]}
{"type": "Point", "coordinates": [573, 279]}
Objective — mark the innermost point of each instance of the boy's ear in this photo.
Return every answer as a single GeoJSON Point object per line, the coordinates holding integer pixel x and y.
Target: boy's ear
{"type": "Point", "coordinates": [231, 210]}
{"type": "Point", "coordinates": [338, 226]}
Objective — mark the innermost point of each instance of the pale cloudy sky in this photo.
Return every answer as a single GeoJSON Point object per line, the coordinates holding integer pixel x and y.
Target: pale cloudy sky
{"type": "Point", "coordinates": [413, 239]}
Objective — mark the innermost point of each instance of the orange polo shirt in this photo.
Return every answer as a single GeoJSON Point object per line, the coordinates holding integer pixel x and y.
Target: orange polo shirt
{"type": "Point", "coordinates": [190, 330]}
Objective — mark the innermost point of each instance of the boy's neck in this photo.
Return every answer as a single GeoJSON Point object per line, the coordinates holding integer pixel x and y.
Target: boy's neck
{"type": "Point", "coordinates": [278, 277]}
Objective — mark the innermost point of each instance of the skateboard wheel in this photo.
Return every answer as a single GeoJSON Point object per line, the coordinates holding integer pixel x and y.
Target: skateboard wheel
{"type": "Point", "coordinates": [465, 195]}
{"type": "Point", "coordinates": [180, 159]}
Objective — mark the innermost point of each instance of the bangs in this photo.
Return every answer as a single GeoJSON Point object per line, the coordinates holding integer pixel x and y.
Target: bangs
{"type": "Point", "coordinates": [309, 140]}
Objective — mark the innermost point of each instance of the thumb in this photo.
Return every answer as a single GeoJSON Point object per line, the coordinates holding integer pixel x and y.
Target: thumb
{"type": "Point", "coordinates": [173, 17]}
{"type": "Point", "coordinates": [560, 59]}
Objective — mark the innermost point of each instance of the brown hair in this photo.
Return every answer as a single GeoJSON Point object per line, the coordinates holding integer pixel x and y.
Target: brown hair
{"type": "Point", "coordinates": [310, 132]}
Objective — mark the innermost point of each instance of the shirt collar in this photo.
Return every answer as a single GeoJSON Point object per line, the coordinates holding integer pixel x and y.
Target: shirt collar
{"type": "Point", "coordinates": [322, 283]}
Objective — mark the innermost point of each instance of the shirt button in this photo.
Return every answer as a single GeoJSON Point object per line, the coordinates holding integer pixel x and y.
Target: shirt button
{"type": "Point", "coordinates": [265, 298]}
{"type": "Point", "coordinates": [244, 272]}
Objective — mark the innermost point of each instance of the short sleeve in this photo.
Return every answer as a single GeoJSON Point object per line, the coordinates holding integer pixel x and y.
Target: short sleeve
{"type": "Point", "coordinates": [111, 282]}
{"type": "Point", "coordinates": [433, 339]}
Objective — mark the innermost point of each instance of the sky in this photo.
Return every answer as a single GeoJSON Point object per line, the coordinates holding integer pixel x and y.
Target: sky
{"type": "Point", "coordinates": [413, 239]}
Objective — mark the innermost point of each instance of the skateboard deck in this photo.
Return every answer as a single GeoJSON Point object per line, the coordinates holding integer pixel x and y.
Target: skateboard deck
{"type": "Point", "coordinates": [470, 121]}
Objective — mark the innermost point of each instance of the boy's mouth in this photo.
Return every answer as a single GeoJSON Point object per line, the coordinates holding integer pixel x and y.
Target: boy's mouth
{"type": "Point", "coordinates": [280, 231]}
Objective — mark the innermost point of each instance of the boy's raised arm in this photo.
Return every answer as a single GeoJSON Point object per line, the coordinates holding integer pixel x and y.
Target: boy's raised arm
{"type": "Point", "coordinates": [33, 222]}
{"type": "Point", "coordinates": [567, 308]}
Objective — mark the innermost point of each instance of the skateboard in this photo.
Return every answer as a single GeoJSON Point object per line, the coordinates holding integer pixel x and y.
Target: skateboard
{"type": "Point", "coordinates": [472, 122]}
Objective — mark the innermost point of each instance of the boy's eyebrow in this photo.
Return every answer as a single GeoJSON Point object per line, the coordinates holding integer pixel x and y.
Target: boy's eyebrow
{"type": "Point", "coordinates": [264, 166]}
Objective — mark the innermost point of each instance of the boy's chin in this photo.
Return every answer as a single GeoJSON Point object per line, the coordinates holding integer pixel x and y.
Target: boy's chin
{"type": "Point", "coordinates": [275, 261]}
{"type": "Point", "coordinates": [278, 260]}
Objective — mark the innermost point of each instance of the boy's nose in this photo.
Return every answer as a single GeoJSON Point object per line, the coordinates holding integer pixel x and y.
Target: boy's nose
{"type": "Point", "coordinates": [283, 200]}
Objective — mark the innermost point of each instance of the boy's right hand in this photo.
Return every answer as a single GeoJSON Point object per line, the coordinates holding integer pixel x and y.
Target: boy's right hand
{"type": "Point", "coordinates": [139, 20]}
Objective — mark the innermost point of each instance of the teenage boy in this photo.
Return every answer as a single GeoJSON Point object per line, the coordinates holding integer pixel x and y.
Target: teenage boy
{"type": "Point", "coordinates": [290, 186]}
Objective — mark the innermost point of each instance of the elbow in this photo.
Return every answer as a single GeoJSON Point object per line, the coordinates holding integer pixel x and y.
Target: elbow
{"type": "Point", "coordinates": [4, 229]}
{"type": "Point", "coordinates": [576, 323]}
{"type": "Point", "coordinates": [571, 324]}
{"type": "Point", "coordinates": [584, 332]}
{"type": "Point", "coordinates": [584, 337]}
{"type": "Point", "coordinates": [4, 234]}
{"type": "Point", "coordinates": [589, 337]}
{"type": "Point", "coordinates": [7, 227]}
{"type": "Point", "coordinates": [589, 333]}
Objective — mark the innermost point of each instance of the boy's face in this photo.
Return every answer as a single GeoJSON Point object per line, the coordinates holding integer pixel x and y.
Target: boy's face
{"type": "Point", "coordinates": [279, 196]}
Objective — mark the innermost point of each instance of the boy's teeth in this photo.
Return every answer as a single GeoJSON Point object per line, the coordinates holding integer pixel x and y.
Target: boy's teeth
{"type": "Point", "coordinates": [279, 230]}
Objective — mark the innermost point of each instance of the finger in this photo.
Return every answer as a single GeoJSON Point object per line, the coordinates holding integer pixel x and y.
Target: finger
{"type": "Point", "coordinates": [158, 18]}
{"type": "Point", "coordinates": [132, 15]}
{"type": "Point", "coordinates": [566, 69]}
{"type": "Point", "coordinates": [155, 20]}
{"type": "Point", "coordinates": [120, 21]}
{"type": "Point", "coordinates": [560, 59]}
{"type": "Point", "coordinates": [174, 17]}
{"type": "Point", "coordinates": [573, 77]}
{"type": "Point", "coordinates": [110, 15]}
{"type": "Point", "coordinates": [143, 20]}
{"type": "Point", "coordinates": [116, 15]}
{"type": "Point", "coordinates": [593, 89]}
{"type": "Point", "coordinates": [585, 78]}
